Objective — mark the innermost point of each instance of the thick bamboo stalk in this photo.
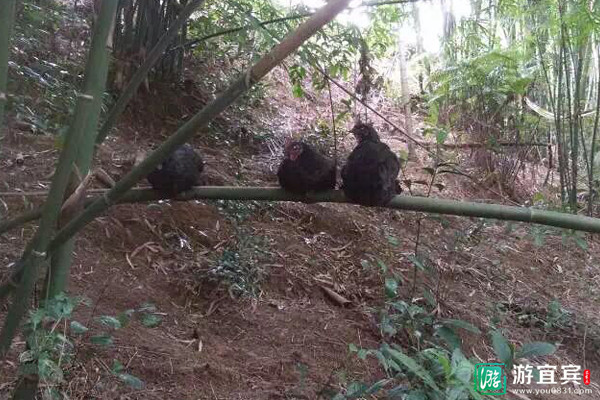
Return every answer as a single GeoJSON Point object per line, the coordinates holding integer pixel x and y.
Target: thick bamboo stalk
{"type": "Point", "coordinates": [142, 72]}
{"type": "Point", "coordinates": [32, 259]}
{"type": "Point", "coordinates": [408, 123]}
{"type": "Point", "coordinates": [7, 18]}
{"type": "Point", "coordinates": [208, 113]}
{"type": "Point", "coordinates": [95, 82]}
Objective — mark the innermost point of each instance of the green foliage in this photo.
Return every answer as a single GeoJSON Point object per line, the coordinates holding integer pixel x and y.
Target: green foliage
{"type": "Point", "coordinates": [430, 374]}
{"type": "Point", "coordinates": [238, 211]}
{"type": "Point", "coordinates": [508, 353]}
{"type": "Point", "coordinates": [130, 380]}
{"type": "Point", "coordinates": [44, 81]}
{"type": "Point", "coordinates": [297, 74]}
{"type": "Point", "coordinates": [239, 265]}
{"type": "Point", "coordinates": [482, 85]}
{"type": "Point", "coordinates": [379, 35]}
{"type": "Point", "coordinates": [428, 368]}
{"type": "Point", "coordinates": [50, 349]}
{"type": "Point", "coordinates": [556, 316]}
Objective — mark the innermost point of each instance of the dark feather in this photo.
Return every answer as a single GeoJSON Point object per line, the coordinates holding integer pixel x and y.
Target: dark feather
{"type": "Point", "coordinates": [311, 171]}
{"type": "Point", "coordinates": [369, 176]}
{"type": "Point", "coordinates": [178, 173]}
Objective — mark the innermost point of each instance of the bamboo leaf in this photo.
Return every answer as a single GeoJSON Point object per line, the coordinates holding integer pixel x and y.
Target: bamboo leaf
{"type": "Point", "coordinates": [131, 380]}
{"type": "Point", "coordinates": [102, 340]}
{"type": "Point", "coordinates": [77, 328]}
{"type": "Point", "coordinates": [535, 349]}
{"type": "Point", "coordinates": [109, 321]}
{"type": "Point", "coordinates": [449, 337]}
{"type": "Point", "coordinates": [151, 320]}
{"type": "Point", "coordinates": [412, 366]}
{"type": "Point", "coordinates": [502, 348]}
{"type": "Point", "coordinates": [49, 370]}
{"type": "Point", "coordinates": [458, 323]}
{"type": "Point", "coordinates": [391, 288]}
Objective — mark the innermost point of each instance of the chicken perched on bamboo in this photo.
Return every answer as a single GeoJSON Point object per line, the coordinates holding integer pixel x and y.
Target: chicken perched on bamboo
{"type": "Point", "coordinates": [303, 169]}
{"type": "Point", "coordinates": [178, 173]}
{"type": "Point", "coordinates": [369, 176]}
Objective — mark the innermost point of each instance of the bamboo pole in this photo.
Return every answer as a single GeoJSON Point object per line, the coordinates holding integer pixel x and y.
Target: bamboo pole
{"type": "Point", "coordinates": [408, 203]}
{"type": "Point", "coordinates": [94, 85]}
{"type": "Point", "coordinates": [153, 57]}
{"type": "Point", "coordinates": [32, 259]}
{"type": "Point", "coordinates": [35, 253]}
{"type": "Point", "coordinates": [7, 18]}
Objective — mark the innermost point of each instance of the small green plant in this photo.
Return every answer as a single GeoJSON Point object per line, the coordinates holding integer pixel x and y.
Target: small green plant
{"type": "Point", "coordinates": [237, 210]}
{"type": "Point", "coordinates": [49, 332]}
{"type": "Point", "coordinates": [239, 266]}
{"type": "Point", "coordinates": [434, 367]}
{"type": "Point", "coordinates": [556, 316]}
{"type": "Point", "coordinates": [49, 349]}
{"type": "Point", "coordinates": [430, 374]}
{"type": "Point", "coordinates": [508, 352]}
{"type": "Point", "coordinates": [414, 321]}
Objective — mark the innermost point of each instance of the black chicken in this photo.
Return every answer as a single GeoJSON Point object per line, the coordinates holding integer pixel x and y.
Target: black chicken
{"type": "Point", "coordinates": [304, 170]}
{"type": "Point", "coordinates": [178, 173]}
{"type": "Point", "coordinates": [369, 176]}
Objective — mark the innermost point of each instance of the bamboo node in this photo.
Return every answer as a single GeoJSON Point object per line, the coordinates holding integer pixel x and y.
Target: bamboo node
{"type": "Point", "coordinates": [2, 95]}
{"type": "Point", "coordinates": [41, 254]}
{"type": "Point", "coordinates": [85, 96]}
{"type": "Point", "coordinates": [107, 199]}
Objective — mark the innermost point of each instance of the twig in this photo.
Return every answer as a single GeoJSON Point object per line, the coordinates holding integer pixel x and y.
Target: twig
{"type": "Point", "coordinates": [335, 152]}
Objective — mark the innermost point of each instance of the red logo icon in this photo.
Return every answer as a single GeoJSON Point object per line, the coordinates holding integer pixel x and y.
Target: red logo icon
{"type": "Point", "coordinates": [586, 377]}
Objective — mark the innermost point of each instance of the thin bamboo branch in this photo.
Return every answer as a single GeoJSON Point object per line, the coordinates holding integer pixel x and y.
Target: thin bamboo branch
{"type": "Point", "coordinates": [20, 220]}
{"type": "Point", "coordinates": [477, 145]}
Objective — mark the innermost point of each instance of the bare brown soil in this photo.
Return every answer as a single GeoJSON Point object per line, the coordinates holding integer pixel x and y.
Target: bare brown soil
{"type": "Point", "coordinates": [290, 342]}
